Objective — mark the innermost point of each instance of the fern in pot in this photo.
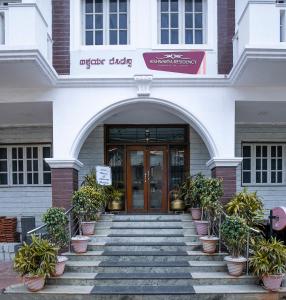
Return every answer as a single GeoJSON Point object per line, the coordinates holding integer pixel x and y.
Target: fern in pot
{"type": "Point", "coordinates": [212, 209]}
{"type": "Point", "coordinates": [57, 221]}
{"type": "Point", "coordinates": [234, 232]}
{"type": "Point", "coordinates": [268, 262]}
{"type": "Point", "coordinates": [35, 262]}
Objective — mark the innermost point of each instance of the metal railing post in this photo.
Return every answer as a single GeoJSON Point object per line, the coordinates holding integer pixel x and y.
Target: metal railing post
{"type": "Point", "coordinates": [247, 253]}
{"type": "Point", "coordinates": [219, 234]}
{"type": "Point", "coordinates": [70, 231]}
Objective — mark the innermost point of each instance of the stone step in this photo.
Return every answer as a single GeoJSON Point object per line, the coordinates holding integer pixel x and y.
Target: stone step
{"type": "Point", "coordinates": [145, 231]}
{"type": "Point", "coordinates": [147, 217]}
{"type": "Point", "coordinates": [206, 292]}
{"type": "Point", "coordinates": [147, 279]}
{"type": "Point", "coordinates": [145, 224]}
{"type": "Point", "coordinates": [139, 246]}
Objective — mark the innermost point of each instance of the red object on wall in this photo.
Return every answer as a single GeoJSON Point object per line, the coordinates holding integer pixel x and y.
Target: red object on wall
{"type": "Point", "coordinates": [177, 62]}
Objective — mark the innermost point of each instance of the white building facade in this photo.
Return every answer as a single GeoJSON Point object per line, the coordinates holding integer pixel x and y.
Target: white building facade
{"type": "Point", "coordinates": [156, 89]}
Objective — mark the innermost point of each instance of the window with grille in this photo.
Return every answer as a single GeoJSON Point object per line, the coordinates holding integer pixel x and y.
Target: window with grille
{"type": "Point", "coordinates": [106, 22]}
{"type": "Point", "coordinates": [263, 164]}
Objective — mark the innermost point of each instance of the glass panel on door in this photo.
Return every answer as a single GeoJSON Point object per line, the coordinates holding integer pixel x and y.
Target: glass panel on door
{"type": "Point", "coordinates": [137, 179]}
{"type": "Point", "coordinates": [155, 179]}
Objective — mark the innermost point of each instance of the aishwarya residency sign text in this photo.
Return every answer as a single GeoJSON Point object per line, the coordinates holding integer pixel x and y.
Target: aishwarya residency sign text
{"type": "Point", "coordinates": [188, 62]}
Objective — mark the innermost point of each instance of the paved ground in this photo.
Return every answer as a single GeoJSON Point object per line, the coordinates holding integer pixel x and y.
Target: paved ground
{"type": "Point", "coordinates": [7, 275]}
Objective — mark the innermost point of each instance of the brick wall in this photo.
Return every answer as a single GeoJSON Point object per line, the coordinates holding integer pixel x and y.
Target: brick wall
{"type": "Point", "coordinates": [64, 182]}
{"type": "Point", "coordinates": [61, 36]}
{"type": "Point", "coordinates": [226, 28]}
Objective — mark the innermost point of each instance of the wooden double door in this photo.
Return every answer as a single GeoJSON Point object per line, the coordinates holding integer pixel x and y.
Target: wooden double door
{"type": "Point", "coordinates": [147, 178]}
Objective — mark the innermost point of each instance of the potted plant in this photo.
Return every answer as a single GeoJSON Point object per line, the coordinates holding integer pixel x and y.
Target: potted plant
{"type": "Point", "coordinates": [234, 234]}
{"type": "Point", "coordinates": [35, 262]}
{"type": "Point", "coordinates": [212, 209]}
{"type": "Point", "coordinates": [56, 223]}
{"type": "Point", "coordinates": [268, 262]}
{"type": "Point", "coordinates": [87, 201]}
{"type": "Point", "coordinates": [114, 199]}
{"type": "Point", "coordinates": [177, 204]}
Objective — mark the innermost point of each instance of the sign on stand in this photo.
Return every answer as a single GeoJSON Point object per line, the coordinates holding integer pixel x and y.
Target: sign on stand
{"type": "Point", "coordinates": [103, 175]}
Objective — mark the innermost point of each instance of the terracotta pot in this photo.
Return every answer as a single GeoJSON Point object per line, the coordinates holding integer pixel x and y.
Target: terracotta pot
{"type": "Point", "coordinates": [235, 265]}
{"type": "Point", "coordinates": [272, 282]}
{"type": "Point", "coordinates": [87, 228]}
{"type": "Point", "coordinates": [34, 283]}
{"type": "Point", "coordinates": [196, 213]}
{"type": "Point", "coordinates": [79, 244]}
{"type": "Point", "coordinates": [202, 227]}
{"type": "Point", "coordinates": [209, 244]}
{"type": "Point", "coordinates": [60, 266]}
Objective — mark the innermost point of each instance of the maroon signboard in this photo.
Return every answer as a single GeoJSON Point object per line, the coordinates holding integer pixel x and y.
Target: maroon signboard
{"type": "Point", "coordinates": [188, 62]}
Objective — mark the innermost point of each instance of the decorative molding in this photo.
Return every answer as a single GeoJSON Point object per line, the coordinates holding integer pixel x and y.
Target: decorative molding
{"type": "Point", "coordinates": [143, 83]}
{"type": "Point", "coordinates": [64, 163]}
{"type": "Point", "coordinates": [224, 162]}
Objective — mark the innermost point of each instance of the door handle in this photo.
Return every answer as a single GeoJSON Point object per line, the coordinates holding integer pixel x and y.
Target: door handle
{"type": "Point", "coordinates": [145, 177]}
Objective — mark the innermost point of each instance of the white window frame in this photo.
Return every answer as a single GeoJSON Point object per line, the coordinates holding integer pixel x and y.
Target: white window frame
{"type": "Point", "coordinates": [41, 171]}
{"type": "Point", "coordinates": [181, 16]}
{"type": "Point", "coordinates": [106, 14]}
{"type": "Point", "coordinates": [253, 164]}
{"type": "Point", "coordinates": [282, 26]}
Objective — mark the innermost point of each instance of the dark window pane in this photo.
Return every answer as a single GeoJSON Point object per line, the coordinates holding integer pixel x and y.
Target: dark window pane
{"type": "Point", "coordinates": [35, 165]}
{"type": "Point", "coordinates": [14, 165]}
{"type": "Point", "coordinates": [198, 21]}
{"type": "Point", "coordinates": [273, 151]}
{"type": "Point", "coordinates": [123, 21]}
{"type": "Point", "coordinates": [164, 37]}
{"type": "Point", "coordinates": [174, 5]}
{"type": "Point", "coordinates": [258, 177]}
{"type": "Point", "coordinates": [174, 36]}
{"type": "Point", "coordinates": [99, 38]}
{"type": "Point", "coordinates": [123, 5]}
{"type": "Point", "coordinates": [15, 180]}
{"type": "Point", "coordinates": [98, 22]}
{"type": "Point", "coordinates": [89, 38]}
{"type": "Point", "coordinates": [3, 153]}
{"type": "Point", "coordinates": [98, 6]}
{"type": "Point", "coordinates": [36, 178]}
{"type": "Point", "coordinates": [246, 164]}
{"type": "Point", "coordinates": [189, 20]}
{"type": "Point", "coordinates": [123, 37]}
{"type": "Point", "coordinates": [20, 152]}
{"type": "Point", "coordinates": [47, 178]}
{"type": "Point", "coordinates": [35, 152]}
{"type": "Point", "coordinates": [164, 20]}
{"type": "Point", "coordinates": [198, 5]}
{"type": "Point", "coordinates": [264, 177]}
{"type": "Point", "coordinates": [273, 164]}
{"type": "Point", "coordinates": [29, 165]}
{"type": "Point", "coordinates": [279, 177]}
{"type": "Point", "coordinates": [29, 152]}
{"type": "Point", "coordinates": [14, 152]}
{"type": "Point", "coordinates": [264, 164]}
{"type": "Point", "coordinates": [3, 179]}
{"type": "Point", "coordinates": [46, 166]}
{"type": "Point", "coordinates": [264, 151]}
{"type": "Point", "coordinates": [279, 150]}
{"type": "Point", "coordinates": [164, 5]}
{"type": "Point", "coordinates": [258, 151]}
{"type": "Point", "coordinates": [21, 178]}
{"type": "Point", "coordinates": [174, 20]}
{"type": "Point", "coordinates": [258, 164]}
{"type": "Point", "coordinates": [189, 37]}
{"type": "Point", "coordinates": [20, 165]}
{"type": "Point", "coordinates": [113, 37]}
{"type": "Point", "coordinates": [89, 21]}
{"type": "Point", "coordinates": [29, 178]}
{"type": "Point", "coordinates": [273, 177]}
{"type": "Point", "coordinates": [3, 166]}
{"type": "Point", "coordinates": [89, 6]}
{"type": "Point", "coordinates": [246, 177]}
{"type": "Point", "coordinates": [246, 151]}
{"type": "Point", "coordinates": [198, 36]}
{"type": "Point", "coordinates": [113, 21]}
{"type": "Point", "coordinates": [188, 5]}
{"type": "Point", "coordinates": [279, 164]}
{"type": "Point", "coordinates": [46, 152]}
{"type": "Point", "coordinates": [113, 6]}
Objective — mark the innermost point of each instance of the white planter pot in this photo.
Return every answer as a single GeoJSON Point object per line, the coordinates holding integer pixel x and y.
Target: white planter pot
{"type": "Point", "coordinates": [87, 228]}
{"type": "Point", "coordinates": [209, 244]}
{"type": "Point", "coordinates": [79, 243]}
{"type": "Point", "coordinates": [60, 266]}
{"type": "Point", "coordinates": [235, 265]}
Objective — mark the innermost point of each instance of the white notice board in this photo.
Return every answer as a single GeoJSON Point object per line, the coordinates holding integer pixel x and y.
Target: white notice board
{"type": "Point", "coordinates": [103, 175]}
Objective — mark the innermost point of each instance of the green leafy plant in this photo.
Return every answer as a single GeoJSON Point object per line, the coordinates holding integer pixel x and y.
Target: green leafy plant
{"type": "Point", "coordinates": [56, 221]}
{"type": "Point", "coordinates": [36, 259]}
{"type": "Point", "coordinates": [87, 201]}
{"type": "Point", "coordinates": [248, 206]}
{"type": "Point", "coordinates": [234, 234]}
{"type": "Point", "coordinates": [268, 258]}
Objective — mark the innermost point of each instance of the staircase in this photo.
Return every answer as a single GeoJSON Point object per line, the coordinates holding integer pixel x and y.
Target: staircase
{"type": "Point", "coordinates": [146, 257]}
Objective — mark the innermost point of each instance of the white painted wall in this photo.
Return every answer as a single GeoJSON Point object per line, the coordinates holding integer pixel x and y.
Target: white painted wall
{"type": "Point", "coordinates": [20, 200]}
{"type": "Point", "coordinates": [272, 196]}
